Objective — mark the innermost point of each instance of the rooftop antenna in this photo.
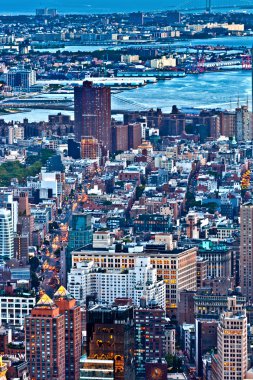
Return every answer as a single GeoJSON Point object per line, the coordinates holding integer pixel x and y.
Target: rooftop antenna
{"type": "Point", "coordinates": [238, 101]}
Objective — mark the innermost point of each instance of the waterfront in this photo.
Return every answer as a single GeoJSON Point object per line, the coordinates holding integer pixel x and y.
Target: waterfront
{"type": "Point", "coordinates": [209, 90]}
{"type": "Point", "coordinates": [232, 41]}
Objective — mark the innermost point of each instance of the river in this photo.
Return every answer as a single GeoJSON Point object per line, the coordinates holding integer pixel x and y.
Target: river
{"type": "Point", "coordinates": [231, 41]}
{"type": "Point", "coordinates": [209, 90]}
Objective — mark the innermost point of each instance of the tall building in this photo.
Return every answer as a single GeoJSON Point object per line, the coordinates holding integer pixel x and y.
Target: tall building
{"type": "Point", "coordinates": [149, 321]}
{"type": "Point", "coordinates": [25, 219]}
{"type": "Point", "coordinates": [74, 148]}
{"type": "Point", "coordinates": [119, 137]}
{"type": "Point", "coordinates": [246, 250]}
{"type": "Point", "coordinates": [15, 133]}
{"type": "Point", "coordinates": [93, 113]}
{"type": "Point", "coordinates": [80, 234]}
{"type": "Point", "coordinates": [177, 267]}
{"type": "Point", "coordinates": [73, 335]}
{"type": "Point", "coordinates": [126, 137]}
{"type": "Point", "coordinates": [232, 344]}
{"type": "Point", "coordinates": [90, 148]}
{"type": "Point", "coordinates": [23, 204]}
{"type": "Point", "coordinates": [45, 341]}
{"type": "Point", "coordinates": [87, 279]}
{"type": "Point", "coordinates": [21, 246]}
{"type": "Point", "coordinates": [134, 135]}
{"type": "Point", "coordinates": [6, 236]}
{"type": "Point", "coordinates": [244, 131]}
{"type": "Point", "coordinates": [110, 336]}
{"type": "Point", "coordinates": [20, 78]}
{"type": "Point", "coordinates": [7, 201]}
{"type": "Point", "coordinates": [228, 123]}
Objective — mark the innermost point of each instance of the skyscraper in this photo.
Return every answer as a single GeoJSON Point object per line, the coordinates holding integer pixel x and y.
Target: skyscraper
{"type": "Point", "coordinates": [244, 131]}
{"type": "Point", "coordinates": [45, 341]}
{"type": "Point", "coordinates": [149, 335]}
{"type": "Point", "coordinates": [246, 250]}
{"type": "Point", "coordinates": [68, 307]}
{"type": "Point", "coordinates": [93, 113]}
{"type": "Point", "coordinates": [110, 336]}
{"type": "Point", "coordinates": [6, 236]}
{"type": "Point", "coordinates": [80, 235]}
{"type": "Point", "coordinates": [232, 344]}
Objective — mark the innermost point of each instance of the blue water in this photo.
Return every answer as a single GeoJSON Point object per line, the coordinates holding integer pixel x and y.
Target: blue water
{"type": "Point", "coordinates": [210, 90]}
{"type": "Point", "coordinates": [108, 6]}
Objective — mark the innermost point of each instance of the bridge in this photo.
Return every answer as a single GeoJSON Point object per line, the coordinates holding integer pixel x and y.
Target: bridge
{"type": "Point", "coordinates": [209, 5]}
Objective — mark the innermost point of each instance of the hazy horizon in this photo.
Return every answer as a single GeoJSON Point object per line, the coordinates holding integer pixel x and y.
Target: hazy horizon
{"type": "Point", "coordinates": [100, 6]}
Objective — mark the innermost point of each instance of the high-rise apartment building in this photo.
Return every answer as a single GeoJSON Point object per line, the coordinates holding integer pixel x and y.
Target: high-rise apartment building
{"type": "Point", "coordinates": [45, 341]}
{"type": "Point", "coordinates": [244, 131]}
{"type": "Point", "coordinates": [126, 137]}
{"type": "Point", "coordinates": [15, 133]}
{"type": "Point", "coordinates": [90, 148]}
{"type": "Point", "coordinates": [232, 344]}
{"type": "Point", "coordinates": [149, 323]}
{"type": "Point", "coordinates": [20, 78]}
{"type": "Point", "coordinates": [7, 201]}
{"type": "Point", "coordinates": [119, 137]}
{"type": "Point", "coordinates": [246, 250]}
{"type": "Point", "coordinates": [73, 335]}
{"type": "Point", "coordinates": [93, 113]}
{"type": "Point", "coordinates": [228, 123]}
{"type": "Point", "coordinates": [6, 236]}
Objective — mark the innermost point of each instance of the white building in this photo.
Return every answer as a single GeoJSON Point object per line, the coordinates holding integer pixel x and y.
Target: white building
{"type": "Point", "coordinates": [49, 182]}
{"type": "Point", "coordinates": [15, 133]}
{"type": "Point", "coordinates": [130, 283]}
{"type": "Point", "coordinates": [6, 201]}
{"type": "Point", "coordinates": [14, 309]}
{"type": "Point", "coordinates": [160, 63]}
{"type": "Point", "coordinates": [6, 236]}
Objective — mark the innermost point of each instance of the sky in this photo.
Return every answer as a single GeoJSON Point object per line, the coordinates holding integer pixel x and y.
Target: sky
{"type": "Point", "coordinates": [99, 6]}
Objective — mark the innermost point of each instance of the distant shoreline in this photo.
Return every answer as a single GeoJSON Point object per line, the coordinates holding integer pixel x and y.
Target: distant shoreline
{"type": "Point", "coordinates": [101, 11]}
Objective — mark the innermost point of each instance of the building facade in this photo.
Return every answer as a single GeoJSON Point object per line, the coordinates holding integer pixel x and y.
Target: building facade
{"type": "Point", "coordinates": [6, 236]}
{"type": "Point", "coordinates": [93, 113]}
{"type": "Point", "coordinates": [246, 250]}
{"type": "Point", "coordinates": [45, 341]}
{"type": "Point", "coordinates": [132, 283]}
{"type": "Point", "coordinates": [177, 267]}
{"type": "Point", "coordinates": [73, 334]}
{"type": "Point", "coordinates": [232, 345]}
